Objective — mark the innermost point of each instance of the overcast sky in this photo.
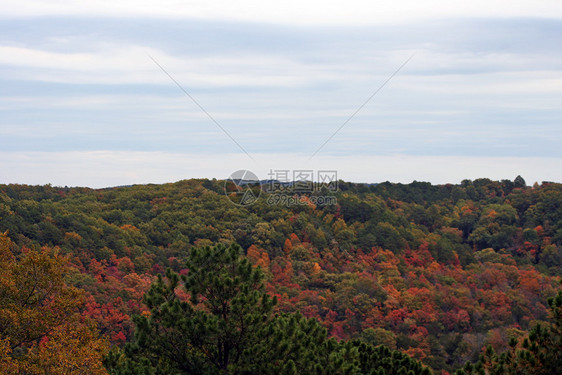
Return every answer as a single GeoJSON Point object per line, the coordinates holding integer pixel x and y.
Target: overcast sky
{"type": "Point", "coordinates": [83, 104]}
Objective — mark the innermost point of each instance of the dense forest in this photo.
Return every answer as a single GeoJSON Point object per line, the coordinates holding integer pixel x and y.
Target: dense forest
{"type": "Point", "coordinates": [391, 278]}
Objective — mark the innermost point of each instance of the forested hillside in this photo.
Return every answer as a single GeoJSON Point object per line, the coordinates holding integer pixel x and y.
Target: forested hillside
{"type": "Point", "coordinates": [437, 272]}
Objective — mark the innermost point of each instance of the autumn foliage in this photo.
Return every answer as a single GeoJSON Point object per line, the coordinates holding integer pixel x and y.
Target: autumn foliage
{"type": "Point", "coordinates": [41, 329]}
{"type": "Point", "coordinates": [438, 272]}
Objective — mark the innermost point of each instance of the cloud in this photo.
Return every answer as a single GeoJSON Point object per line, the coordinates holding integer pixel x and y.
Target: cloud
{"type": "Point", "coordinates": [476, 87]}
{"type": "Point", "coordinates": [129, 64]}
{"type": "Point", "coordinates": [291, 12]}
{"type": "Point", "coordinates": [99, 169]}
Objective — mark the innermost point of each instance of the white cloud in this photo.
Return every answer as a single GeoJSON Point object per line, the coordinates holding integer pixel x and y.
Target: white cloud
{"type": "Point", "coordinates": [120, 64]}
{"type": "Point", "coordinates": [110, 168]}
{"type": "Point", "coordinates": [275, 89]}
{"type": "Point", "coordinates": [429, 71]}
{"type": "Point", "coordinates": [310, 12]}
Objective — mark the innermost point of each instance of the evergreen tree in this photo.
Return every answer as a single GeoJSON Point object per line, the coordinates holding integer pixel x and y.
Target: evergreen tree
{"type": "Point", "coordinates": [225, 324]}
{"type": "Point", "coordinates": [519, 182]}
{"type": "Point", "coordinates": [208, 333]}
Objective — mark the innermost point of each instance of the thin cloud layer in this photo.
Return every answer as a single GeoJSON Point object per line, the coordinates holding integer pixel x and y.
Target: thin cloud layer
{"type": "Point", "coordinates": [476, 88]}
{"type": "Point", "coordinates": [98, 169]}
{"type": "Point", "coordinates": [291, 12]}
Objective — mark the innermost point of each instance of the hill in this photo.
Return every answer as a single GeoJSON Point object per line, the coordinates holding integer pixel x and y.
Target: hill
{"type": "Point", "coordinates": [435, 271]}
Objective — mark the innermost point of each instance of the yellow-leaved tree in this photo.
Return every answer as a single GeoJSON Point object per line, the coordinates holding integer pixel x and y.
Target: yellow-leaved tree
{"type": "Point", "coordinates": [41, 329]}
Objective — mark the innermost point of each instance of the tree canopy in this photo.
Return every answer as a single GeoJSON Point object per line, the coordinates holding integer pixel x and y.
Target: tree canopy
{"type": "Point", "coordinates": [217, 319]}
{"type": "Point", "coordinates": [539, 353]}
{"type": "Point", "coordinates": [436, 272]}
{"type": "Point", "coordinates": [41, 330]}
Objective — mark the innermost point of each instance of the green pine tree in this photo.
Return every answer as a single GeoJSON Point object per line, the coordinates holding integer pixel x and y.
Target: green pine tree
{"type": "Point", "coordinates": [209, 333]}
{"type": "Point", "coordinates": [228, 327]}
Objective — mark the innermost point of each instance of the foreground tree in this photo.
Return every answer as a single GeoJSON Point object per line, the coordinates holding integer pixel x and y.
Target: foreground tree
{"type": "Point", "coordinates": [218, 319]}
{"type": "Point", "coordinates": [41, 330]}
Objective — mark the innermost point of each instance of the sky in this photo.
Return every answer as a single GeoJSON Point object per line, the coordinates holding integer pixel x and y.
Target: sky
{"type": "Point", "coordinates": [122, 92]}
